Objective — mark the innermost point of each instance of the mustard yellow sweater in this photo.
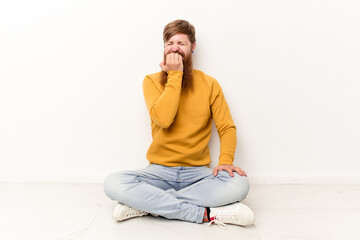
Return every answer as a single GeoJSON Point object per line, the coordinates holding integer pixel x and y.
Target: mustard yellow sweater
{"type": "Point", "coordinates": [181, 123]}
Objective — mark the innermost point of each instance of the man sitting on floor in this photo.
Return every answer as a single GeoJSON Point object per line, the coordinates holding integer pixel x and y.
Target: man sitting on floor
{"type": "Point", "coordinates": [179, 183]}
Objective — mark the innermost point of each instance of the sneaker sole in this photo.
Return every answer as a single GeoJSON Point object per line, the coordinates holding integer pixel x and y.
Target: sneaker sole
{"type": "Point", "coordinates": [117, 212]}
{"type": "Point", "coordinates": [247, 213]}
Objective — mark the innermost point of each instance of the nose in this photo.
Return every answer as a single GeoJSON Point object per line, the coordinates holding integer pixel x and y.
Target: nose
{"type": "Point", "coordinates": [174, 49]}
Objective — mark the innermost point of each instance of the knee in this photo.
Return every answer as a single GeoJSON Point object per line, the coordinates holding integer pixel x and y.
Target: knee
{"type": "Point", "coordinates": [239, 185]}
{"type": "Point", "coordinates": [110, 184]}
{"type": "Point", "coordinates": [114, 185]}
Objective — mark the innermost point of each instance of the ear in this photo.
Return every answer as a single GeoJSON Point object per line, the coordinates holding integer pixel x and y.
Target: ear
{"type": "Point", "coordinates": [193, 46]}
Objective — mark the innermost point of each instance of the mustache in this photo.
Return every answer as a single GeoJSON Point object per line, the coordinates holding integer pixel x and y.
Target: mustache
{"type": "Point", "coordinates": [178, 52]}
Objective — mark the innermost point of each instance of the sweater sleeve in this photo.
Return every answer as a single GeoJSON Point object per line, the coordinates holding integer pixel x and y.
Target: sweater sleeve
{"type": "Point", "coordinates": [224, 123]}
{"type": "Point", "coordinates": [163, 106]}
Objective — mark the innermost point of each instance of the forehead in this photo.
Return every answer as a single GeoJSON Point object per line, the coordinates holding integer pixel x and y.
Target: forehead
{"type": "Point", "coordinates": [180, 37]}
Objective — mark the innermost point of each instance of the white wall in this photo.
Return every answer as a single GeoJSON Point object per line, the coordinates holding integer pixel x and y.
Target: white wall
{"type": "Point", "coordinates": [71, 74]}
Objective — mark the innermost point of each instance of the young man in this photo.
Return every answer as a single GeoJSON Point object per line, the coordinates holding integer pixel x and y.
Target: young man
{"type": "Point", "coordinates": [178, 183]}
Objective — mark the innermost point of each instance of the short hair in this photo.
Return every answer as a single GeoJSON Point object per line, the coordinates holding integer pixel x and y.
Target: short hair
{"type": "Point", "coordinates": [179, 26]}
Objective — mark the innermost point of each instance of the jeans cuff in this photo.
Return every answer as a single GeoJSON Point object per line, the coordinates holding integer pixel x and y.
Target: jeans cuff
{"type": "Point", "coordinates": [201, 215]}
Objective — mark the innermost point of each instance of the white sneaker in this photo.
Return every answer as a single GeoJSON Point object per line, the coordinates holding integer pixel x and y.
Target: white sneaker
{"type": "Point", "coordinates": [235, 213]}
{"type": "Point", "coordinates": [123, 212]}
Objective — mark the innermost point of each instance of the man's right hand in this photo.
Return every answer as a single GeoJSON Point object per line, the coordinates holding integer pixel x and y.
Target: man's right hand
{"type": "Point", "coordinates": [173, 62]}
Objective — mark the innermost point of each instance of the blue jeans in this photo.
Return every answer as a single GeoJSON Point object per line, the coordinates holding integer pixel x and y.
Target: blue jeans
{"type": "Point", "coordinates": [176, 192]}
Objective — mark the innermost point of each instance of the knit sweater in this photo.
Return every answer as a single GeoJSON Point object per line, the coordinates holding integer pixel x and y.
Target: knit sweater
{"type": "Point", "coordinates": [181, 122]}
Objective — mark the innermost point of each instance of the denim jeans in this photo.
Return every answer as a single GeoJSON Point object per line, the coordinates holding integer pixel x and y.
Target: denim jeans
{"type": "Point", "coordinates": [175, 192]}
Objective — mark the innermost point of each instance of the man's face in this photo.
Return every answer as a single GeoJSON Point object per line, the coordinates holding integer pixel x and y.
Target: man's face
{"type": "Point", "coordinates": [179, 43]}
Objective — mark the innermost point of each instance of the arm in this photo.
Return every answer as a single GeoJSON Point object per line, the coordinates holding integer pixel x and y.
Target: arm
{"type": "Point", "coordinates": [227, 132]}
{"type": "Point", "coordinates": [163, 106]}
{"type": "Point", "coordinates": [224, 124]}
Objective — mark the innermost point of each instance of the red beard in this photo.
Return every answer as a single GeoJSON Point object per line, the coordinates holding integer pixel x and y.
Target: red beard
{"type": "Point", "coordinates": [187, 80]}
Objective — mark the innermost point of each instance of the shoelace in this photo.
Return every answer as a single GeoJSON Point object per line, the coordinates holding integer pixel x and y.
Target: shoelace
{"type": "Point", "coordinates": [217, 222]}
{"type": "Point", "coordinates": [135, 212]}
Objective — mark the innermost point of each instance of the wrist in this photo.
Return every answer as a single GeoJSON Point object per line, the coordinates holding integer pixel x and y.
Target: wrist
{"type": "Point", "coordinates": [174, 71]}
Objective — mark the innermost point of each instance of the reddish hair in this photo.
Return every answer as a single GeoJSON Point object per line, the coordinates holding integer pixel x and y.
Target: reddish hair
{"type": "Point", "coordinates": [172, 28]}
{"type": "Point", "coordinates": [179, 26]}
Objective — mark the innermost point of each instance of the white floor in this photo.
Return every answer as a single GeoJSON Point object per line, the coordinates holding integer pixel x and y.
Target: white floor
{"type": "Point", "coordinates": [82, 212]}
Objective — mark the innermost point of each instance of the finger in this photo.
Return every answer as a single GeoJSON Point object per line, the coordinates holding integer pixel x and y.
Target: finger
{"type": "Point", "coordinates": [172, 57]}
{"type": "Point", "coordinates": [177, 57]}
{"type": "Point", "coordinates": [244, 173]}
{"type": "Point", "coordinates": [180, 59]}
{"type": "Point", "coordinates": [163, 66]}
{"type": "Point", "coordinates": [240, 172]}
{"type": "Point", "coordinates": [230, 171]}
{"type": "Point", "coordinates": [169, 58]}
{"type": "Point", "coordinates": [215, 171]}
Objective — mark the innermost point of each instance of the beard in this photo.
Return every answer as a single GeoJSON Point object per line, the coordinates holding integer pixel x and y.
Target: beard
{"type": "Point", "coordinates": [187, 80]}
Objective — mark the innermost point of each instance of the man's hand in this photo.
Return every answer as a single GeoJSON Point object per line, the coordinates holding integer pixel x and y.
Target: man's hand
{"type": "Point", "coordinates": [173, 62]}
{"type": "Point", "coordinates": [230, 169]}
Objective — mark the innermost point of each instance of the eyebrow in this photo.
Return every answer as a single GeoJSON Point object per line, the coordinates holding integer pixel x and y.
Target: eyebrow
{"type": "Point", "coordinates": [178, 41]}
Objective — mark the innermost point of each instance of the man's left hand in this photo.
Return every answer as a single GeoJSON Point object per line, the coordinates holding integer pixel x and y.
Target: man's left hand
{"type": "Point", "coordinates": [230, 169]}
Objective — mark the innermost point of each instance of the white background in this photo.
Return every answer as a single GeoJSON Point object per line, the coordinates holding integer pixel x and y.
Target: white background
{"type": "Point", "coordinates": [71, 72]}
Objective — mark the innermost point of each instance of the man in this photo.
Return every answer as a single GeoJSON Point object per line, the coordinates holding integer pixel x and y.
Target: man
{"type": "Point", "coordinates": [178, 183]}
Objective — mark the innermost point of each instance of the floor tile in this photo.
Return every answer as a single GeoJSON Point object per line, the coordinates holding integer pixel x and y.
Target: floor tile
{"type": "Point", "coordinates": [315, 224]}
{"type": "Point", "coordinates": [47, 210]}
